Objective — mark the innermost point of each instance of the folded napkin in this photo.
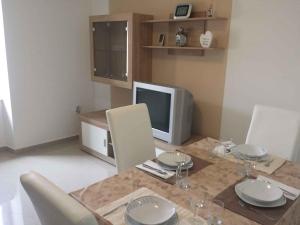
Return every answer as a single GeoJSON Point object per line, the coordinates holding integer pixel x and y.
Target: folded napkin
{"type": "Point", "coordinates": [156, 166]}
{"type": "Point", "coordinates": [289, 192]}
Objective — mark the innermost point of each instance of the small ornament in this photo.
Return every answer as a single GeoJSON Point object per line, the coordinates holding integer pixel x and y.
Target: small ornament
{"type": "Point", "coordinates": [210, 11]}
{"type": "Point", "coordinates": [206, 39]}
{"type": "Point", "coordinates": [181, 37]}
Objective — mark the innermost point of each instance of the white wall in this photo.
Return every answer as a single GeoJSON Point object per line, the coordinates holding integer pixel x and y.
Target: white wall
{"type": "Point", "coordinates": [99, 7]}
{"type": "Point", "coordinates": [263, 61]}
{"type": "Point", "coordinates": [2, 138]}
{"type": "Point", "coordinates": [48, 63]}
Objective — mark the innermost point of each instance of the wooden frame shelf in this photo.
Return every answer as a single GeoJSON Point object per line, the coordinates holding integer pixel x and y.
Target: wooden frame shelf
{"type": "Point", "coordinates": [181, 48]}
{"type": "Point", "coordinates": [184, 20]}
{"type": "Point", "coordinates": [194, 26]}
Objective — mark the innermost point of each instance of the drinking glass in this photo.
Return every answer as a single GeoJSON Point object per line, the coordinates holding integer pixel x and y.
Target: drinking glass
{"type": "Point", "coordinates": [182, 173]}
{"type": "Point", "coordinates": [246, 168]}
{"type": "Point", "coordinates": [198, 206]}
{"type": "Point", "coordinates": [216, 211]}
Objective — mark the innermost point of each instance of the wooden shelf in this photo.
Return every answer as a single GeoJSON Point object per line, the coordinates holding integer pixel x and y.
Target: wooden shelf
{"type": "Point", "coordinates": [180, 48]}
{"type": "Point", "coordinates": [184, 20]}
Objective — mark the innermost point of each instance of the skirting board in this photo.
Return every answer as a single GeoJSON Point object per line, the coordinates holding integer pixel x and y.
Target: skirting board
{"type": "Point", "coordinates": [36, 147]}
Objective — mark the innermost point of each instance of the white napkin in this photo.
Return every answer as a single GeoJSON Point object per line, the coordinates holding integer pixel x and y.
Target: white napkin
{"type": "Point", "coordinates": [155, 165]}
{"type": "Point", "coordinates": [223, 148]}
{"type": "Point", "coordinates": [285, 188]}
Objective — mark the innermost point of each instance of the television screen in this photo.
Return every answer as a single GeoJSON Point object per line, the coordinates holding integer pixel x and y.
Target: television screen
{"type": "Point", "coordinates": [159, 104]}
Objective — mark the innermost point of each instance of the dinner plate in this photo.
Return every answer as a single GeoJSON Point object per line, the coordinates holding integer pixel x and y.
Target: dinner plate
{"type": "Point", "coordinates": [172, 221]}
{"type": "Point", "coordinates": [174, 168]}
{"type": "Point", "coordinates": [173, 158]}
{"type": "Point", "coordinates": [251, 151]}
{"type": "Point", "coordinates": [260, 191]}
{"type": "Point", "coordinates": [150, 210]}
{"type": "Point", "coordinates": [278, 203]}
{"type": "Point", "coordinates": [263, 158]}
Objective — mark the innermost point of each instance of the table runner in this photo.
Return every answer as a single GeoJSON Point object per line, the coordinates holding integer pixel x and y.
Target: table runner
{"type": "Point", "coordinates": [198, 164]}
{"type": "Point", "coordinates": [209, 143]}
{"type": "Point", "coordinates": [212, 180]}
{"type": "Point", "coordinates": [117, 217]}
{"type": "Point", "coordinates": [265, 216]}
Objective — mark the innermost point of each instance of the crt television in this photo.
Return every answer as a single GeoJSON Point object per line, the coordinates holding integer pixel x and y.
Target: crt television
{"type": "Point", "coordinates": [170, 109]}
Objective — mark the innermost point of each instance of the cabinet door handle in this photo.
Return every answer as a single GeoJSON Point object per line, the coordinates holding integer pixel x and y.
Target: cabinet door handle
{"type": "Point", "coordinates": [104, 143]}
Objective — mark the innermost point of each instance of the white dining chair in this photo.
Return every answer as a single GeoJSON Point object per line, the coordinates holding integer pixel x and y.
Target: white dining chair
{"type": "Point", "coordinates": [131, 134]}
{"type": "Point", "coordinates": [53, 205]}
{"type": "Point", "coordinates": [278, 130]}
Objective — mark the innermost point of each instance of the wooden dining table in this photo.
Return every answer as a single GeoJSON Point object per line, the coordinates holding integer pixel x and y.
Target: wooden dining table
{"type": "Point", "coordinates": [208, 182]}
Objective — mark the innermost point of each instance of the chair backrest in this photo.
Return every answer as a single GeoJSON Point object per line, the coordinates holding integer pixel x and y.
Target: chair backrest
{"type": "Point", "coordinates": [53, 205]}
{"type": "Point", "coordinates": [276, 129]}
{"type": "Point", "coordinates": [131, 133]}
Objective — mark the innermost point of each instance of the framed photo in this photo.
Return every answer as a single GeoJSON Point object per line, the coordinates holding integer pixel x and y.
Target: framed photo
{"type": "Point", "coordinates": [161, 40]}
{"type": "Point", "coordinates": [183, 11]}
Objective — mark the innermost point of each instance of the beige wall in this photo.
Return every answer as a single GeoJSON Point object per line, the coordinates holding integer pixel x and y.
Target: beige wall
{"type": "Point", "coordinates": [263, 62]}
{"type": "Point", "coordinates": [203, 76]}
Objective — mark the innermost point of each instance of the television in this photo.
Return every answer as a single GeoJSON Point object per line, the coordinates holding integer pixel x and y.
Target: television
{"type": "Point", "coordinates": [170, 109]}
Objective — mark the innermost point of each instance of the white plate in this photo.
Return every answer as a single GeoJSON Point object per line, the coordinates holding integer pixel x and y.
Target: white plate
{"type": "Point", "coordinates": [250, 150]}
{"type": "Point", "coordinates": [278, 203]}
{"type": "Point", "coordinates": [263, 158]}
{"type": "Point", "coordinates": [174, 168]}
{"type": "Point", "coordinates": [260, 191]}
{"type": "Point", "coordinates": [150, 210]}
{"type": "Point", "coordinates": [173, 158]}
{"type": "Point", "coordinates": [172, 221]}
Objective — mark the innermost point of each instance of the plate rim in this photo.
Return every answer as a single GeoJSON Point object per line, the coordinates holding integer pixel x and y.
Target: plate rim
{"type": "Point", "coordinates": [176, 220]}
{"type": "Point", "coordinates": [174, 168]}
{"type": "Point", "coordinates": [165, 153]}
{"type": "Point", "coordinates": [256, 199]}
{"type": "Point", "coordinates": [282, 200]}
{"type": "Point", "coordinates": [155, 197]}
{"type": "Point", "coordinates": [235, 148]}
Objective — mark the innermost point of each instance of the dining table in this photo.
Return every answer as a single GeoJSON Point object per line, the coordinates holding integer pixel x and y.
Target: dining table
{"type": "Point", "coordinates": [214, 180]}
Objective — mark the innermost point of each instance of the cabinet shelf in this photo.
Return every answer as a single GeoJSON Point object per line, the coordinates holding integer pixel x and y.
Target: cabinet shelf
{"type": "Point", "coordinates": [114, 48]}
{"type": "Point", "coordinates": [183, 20]}
{"type": "Point", "coordinates": [181, 48]}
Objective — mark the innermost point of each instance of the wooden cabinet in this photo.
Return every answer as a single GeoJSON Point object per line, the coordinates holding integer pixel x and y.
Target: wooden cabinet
{"type": "Point", "coordinates": [194, 27]}
{"type": "Point", "coordinates": [95, 136]}
{"type": "Point", "coordinates": [117, 56]}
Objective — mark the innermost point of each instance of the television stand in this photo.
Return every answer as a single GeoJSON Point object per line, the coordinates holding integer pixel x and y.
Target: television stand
{"type": "Point", "coordinates": [95, 137]}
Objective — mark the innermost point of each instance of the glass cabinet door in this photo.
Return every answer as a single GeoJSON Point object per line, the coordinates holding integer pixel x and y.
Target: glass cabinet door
{"type": "Point", "coordinates": [110, 49]}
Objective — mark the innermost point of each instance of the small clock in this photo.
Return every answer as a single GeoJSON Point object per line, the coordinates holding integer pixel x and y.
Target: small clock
{"type": "Point", "coordinates": [183, 11]}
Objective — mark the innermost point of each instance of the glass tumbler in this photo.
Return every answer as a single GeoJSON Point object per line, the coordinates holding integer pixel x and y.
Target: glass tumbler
{"type": "Point", "coordinates": [216, 211]}
{"type": "Point", "coordinates": [182, 173]}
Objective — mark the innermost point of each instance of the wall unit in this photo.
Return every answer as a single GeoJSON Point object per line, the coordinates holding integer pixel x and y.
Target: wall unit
{"type": "Point", "coordinates": [194, 26]}
{"type": "Point", "coordinates": [116, 54]}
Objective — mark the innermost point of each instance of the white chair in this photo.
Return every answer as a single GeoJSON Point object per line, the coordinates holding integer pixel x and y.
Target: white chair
{"type": "Point", "coordinates": [278, 130]}
{"type": "Point", "coordinates": [131, 135]}
{"type": "Point", "coordinates": [53, 205]}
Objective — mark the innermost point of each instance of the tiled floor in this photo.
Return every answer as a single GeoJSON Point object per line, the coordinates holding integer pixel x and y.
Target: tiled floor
{"type": "Point", "coordinates": [64, 164]}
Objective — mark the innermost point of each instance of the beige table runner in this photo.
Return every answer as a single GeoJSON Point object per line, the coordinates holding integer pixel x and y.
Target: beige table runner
{"type": "Point", "coordinates": [210, 143]}
{"type": "Point", "coordinates": [117, 217]}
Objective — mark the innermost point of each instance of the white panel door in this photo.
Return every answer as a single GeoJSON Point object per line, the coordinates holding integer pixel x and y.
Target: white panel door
{"type": "Point", "coordinates": [94, 138]}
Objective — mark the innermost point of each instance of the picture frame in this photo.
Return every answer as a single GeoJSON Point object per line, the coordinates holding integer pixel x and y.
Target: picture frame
{"type": "Point", "coordinates": [161, 40]}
